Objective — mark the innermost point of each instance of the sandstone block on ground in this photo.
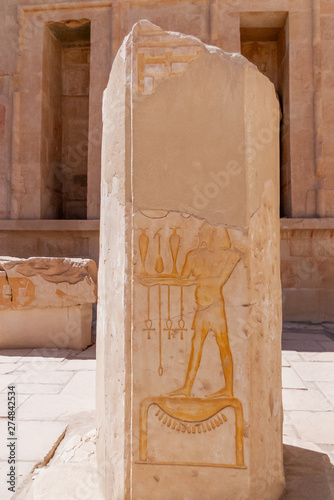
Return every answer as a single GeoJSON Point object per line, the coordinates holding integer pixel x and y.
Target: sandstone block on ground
{"type": "Point", "coordinates": [46, 302]}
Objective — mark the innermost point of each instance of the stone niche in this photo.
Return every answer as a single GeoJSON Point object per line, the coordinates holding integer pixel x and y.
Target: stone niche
{"type": "Point", "coordinates": [46, 302]}
{"type": "Point", "coordinates": [189, 313]}
{"type": "Point", "coordinates": [65, 110]}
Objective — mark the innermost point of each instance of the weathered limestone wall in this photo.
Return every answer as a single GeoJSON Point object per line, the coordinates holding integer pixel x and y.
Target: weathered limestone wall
{"type": "Point", "coordinates": [304, 35]}
{"type": "Point", "coordinates": [53, 238]}
{"type": "Point", "coordinates": [308, 36]}
{"type": "Point", "coordinates": [25, 98]}
{"type": "Point", "coordinates": [189, 312]}
{"type": "Point", "coordinates": [325, 96]}
{"type": "Point", "coordinates": [307, 251]}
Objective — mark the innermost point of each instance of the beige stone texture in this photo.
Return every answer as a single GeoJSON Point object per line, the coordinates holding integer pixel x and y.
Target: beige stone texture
{"type": "Point", "coordinates": [46, 327]}
{"type": "Point", "coordinates": [189, 312]}
{"type": "Point", "coordinates": [46, 302]}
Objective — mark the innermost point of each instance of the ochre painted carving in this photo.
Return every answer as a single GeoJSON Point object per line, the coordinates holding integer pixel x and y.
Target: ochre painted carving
{"type": "Point", "coordinates": [148, 321]}
{"type": "Point", "coordinates": [143, 246]}
{"type": "Point", "coordinates": [16, 291]}
{"type": "Point", "coordinates": [207, 267]}
{"type": "Point", "coordinates": [192, 415]}
{"type": "Point", "coordinates": [211, 264]}
{"type": "Point", "coordinates": [166, 61]}
{"type": "Point", "coordinates": [174, 242]}
{"type": "Point", "coordinates": [159, 264]}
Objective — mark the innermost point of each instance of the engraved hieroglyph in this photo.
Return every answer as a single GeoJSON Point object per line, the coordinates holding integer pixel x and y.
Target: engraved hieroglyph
{"type": "Point", "coordinates": [16, 292]}
{"type": "Point", "coordinates": [182, 268]}
{"type": "Point", "coordinates": [158, 58]}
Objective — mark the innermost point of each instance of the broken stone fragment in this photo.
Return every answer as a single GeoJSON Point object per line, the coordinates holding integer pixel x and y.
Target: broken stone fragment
{"type": "Point", "coordinates": [46, 282]}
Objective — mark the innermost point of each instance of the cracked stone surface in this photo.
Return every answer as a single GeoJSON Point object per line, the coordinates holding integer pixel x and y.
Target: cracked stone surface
{"type": "Point", "coordinates": [47, 282]}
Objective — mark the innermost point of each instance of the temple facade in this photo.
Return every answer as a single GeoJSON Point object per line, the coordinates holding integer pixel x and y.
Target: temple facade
{"type": "Point", "coordinates": [55, 63]}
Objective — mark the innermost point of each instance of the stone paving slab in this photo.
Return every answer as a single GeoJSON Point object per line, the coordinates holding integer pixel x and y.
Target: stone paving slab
{"type": "Point", "coordinates": [285, 362]}
{"type": "Point", "coordinates": [4, 403]}
{"type": "Point", "coordinates": [35, 438]}
{"type": "Point", "coordinates": [316, 372]}
{"type": "Point", "coordinates": [6, 380]}
{"type": "Point", "coordinates": [81, 383]}
{"type": "Point", "coordinates": [315, 427]}
{"type": "Point", "coordinates": [290, 379]}
{"type": "Point", "coordinates": [49, 354]}
{"type": "Point", "coordinates": [38, 388]}
{"type": "Point", "coordinates": [292, 355]}
{"type": "Point", "coordinates": [78, 364]}
{"type": "Point", "coordinates": [44, 377]}
{"type": "Point", "coordinates": [55, 407]}
{"type": "Point", "coordinates": [327, 388]}
{"type": "Point", "coordinates": [35, 441]}
{"type": "Point", "coordinates": [40, 364]}
{"type": "Point", "coordinates": [318, 356]}
{"type": "Point", "coordinates": [6, 368]}
{"type": "Point", "coordinates": [311, 400]}
{"type": "Point", "coordinates": [10, 359]}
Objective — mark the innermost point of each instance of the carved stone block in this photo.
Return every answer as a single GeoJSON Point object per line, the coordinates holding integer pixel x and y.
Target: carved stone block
{"type": "Point", "coordinates": [189, 318]}
{"type": "Point", "coordinates": [46, 302]}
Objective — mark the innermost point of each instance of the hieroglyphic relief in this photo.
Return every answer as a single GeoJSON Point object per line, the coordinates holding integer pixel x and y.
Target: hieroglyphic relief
{"type": "Point", "coordinates": [166, 62]}
{"type": "Point", "coordinates": [161, 57]}
{"type": "Point", "coordinates": [160, 279]}
{"type": "Point", "coordinates": [192, 415]}
{"type": "Point", "coordinates": [16, 291]}
{"type": "Point", "coordinates": [206, 267]}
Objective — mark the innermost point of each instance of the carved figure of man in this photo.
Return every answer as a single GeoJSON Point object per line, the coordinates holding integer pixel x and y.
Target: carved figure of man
{"type": "Point", "coordinates": [211, 264]}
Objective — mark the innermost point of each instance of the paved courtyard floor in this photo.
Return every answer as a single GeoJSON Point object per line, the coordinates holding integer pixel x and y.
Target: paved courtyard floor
{"type": "Point", "coordinates": [55, 418]}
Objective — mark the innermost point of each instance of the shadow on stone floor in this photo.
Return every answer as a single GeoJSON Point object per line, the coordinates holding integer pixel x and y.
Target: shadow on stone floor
{"type": "Point", "coordinates": [309, 475]}
{"type": "Point", "coordinates": [298, 346]}
{"type": "Point", "coordinates": [304, 337]}
{"type": "Point", "coordinates": [49, 352]}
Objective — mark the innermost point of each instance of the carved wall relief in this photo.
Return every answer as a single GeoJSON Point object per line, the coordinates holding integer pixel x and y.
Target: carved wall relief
{"type": "Point", "coordinates": [158, 57]}
{"type": "Point", "coordinates": [179, 277]}
{"type": "Point", "coordinates": [16, 291]}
